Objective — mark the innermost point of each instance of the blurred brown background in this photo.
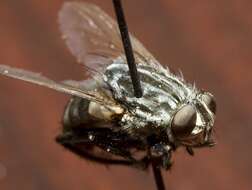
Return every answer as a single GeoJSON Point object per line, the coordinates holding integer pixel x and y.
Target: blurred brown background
{"type": "Point", "coordinates": [210, 41]}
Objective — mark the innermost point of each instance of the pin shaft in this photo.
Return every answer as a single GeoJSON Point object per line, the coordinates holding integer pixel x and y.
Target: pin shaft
{"type": "Point", "coordinates": [128, 48]}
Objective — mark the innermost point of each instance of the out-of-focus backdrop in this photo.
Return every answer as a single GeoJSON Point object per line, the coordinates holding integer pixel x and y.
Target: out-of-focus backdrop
{"type": "Point", "coordinates": [210, 41]}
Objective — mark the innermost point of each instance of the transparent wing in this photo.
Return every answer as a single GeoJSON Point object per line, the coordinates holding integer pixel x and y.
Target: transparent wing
{"type": "Point", "coordinates": [64, 87]}
{"type": "Point", "coordinates": [94, 38]}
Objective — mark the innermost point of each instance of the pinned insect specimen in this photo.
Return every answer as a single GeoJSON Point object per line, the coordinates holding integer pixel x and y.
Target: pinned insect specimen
{"type": "Point", "coordinates": [104, 121]}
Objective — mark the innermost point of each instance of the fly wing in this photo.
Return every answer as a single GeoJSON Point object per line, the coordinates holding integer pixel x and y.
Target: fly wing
{"type": "Point", "coordinates": [94, 38]}
{"type": "Point", "coordinates": [64, 87]}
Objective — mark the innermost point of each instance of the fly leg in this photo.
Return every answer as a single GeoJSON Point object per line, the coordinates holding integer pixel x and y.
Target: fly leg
{"type": "Point", "coordinates": [80, 139]}
{"type": "Point", "coordinates": [161, 155]}
{"type": "Point", "coordinates": [85, 154]}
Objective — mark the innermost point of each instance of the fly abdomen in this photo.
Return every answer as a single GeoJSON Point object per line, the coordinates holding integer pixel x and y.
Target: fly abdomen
{"type": "Point", "coordinates": [82, 112]}
{"type": "Point", "coordinates": [76, 113]}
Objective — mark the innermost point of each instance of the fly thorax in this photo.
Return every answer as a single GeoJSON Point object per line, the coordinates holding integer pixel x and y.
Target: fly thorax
{"type": "Point", "coordinates": [162, 94]}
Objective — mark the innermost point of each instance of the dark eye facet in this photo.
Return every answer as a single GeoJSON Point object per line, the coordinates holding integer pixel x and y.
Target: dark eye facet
{"type": "Point", "coordinates": [210, 102]}
{"type": "Point", "coordinates": [184, 121]}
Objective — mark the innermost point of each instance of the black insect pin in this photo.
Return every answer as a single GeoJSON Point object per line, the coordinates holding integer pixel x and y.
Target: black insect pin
{"type": "Point", "coordinates": [135, 78]}
{"type": "Point", "coordinates": [134, 115]}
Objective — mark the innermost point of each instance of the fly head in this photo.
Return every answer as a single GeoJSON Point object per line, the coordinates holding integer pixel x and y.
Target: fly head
{"type": "Point", "coordinates": [192, 123]}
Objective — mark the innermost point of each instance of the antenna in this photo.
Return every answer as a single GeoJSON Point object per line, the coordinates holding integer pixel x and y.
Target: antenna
{"type": "Point", "coordinates": [128, 48]}
{"type": "Point", "coordinates": [134, 75]}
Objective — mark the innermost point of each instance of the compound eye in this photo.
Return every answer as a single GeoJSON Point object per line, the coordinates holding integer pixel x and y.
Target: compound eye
{"type": "Point", "coordinates": [210, 102]}
{"type": "Point", "coordinates": [184, 121]}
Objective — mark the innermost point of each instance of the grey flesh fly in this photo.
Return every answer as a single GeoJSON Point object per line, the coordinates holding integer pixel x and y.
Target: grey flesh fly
{"type": "Point", "coordinates": [103, 112]}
